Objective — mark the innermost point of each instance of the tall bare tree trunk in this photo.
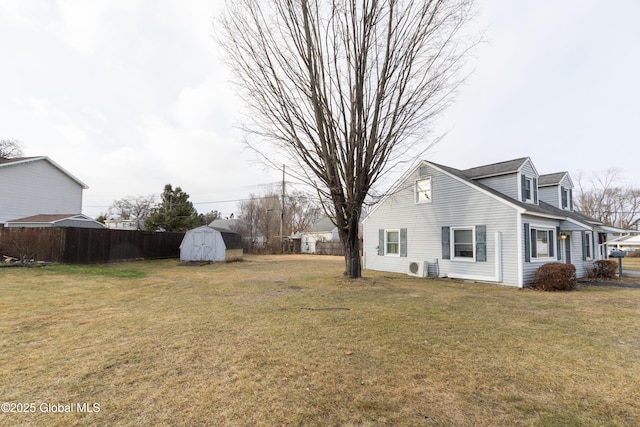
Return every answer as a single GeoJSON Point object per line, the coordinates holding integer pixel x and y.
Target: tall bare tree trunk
{"type": "Point", "coordinates": [351, 245]}
{"type": "Point", "coordinates": [345, 90]}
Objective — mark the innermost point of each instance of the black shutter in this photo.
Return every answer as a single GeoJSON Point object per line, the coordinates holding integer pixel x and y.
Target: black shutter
{"type": "Point", "coordinates": [584, 245]}
{"type": "Point", "coordinates": [446, 243]}
{"type": "Point", "coordinates": [481, 243]}
{"type": "Point", "coordinates": [523, 189]}
{"type": "Point", "coordinates": [559, 255]}
{"type": "Point", "coordinates": [403, 242]}
{"type": "Point", "coordinates": [381, 242]}
{"type": "Point", "coordinates": [535, 190]}
{"type": "Point", "coordinates": [527, 243]}
{"type": "Point", "coordinates": [563, 195]}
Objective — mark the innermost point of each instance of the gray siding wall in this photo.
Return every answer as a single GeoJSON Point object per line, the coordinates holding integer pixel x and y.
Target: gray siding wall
{"type": "Point", "coordinates": [574, 233]}
{"type": "Point", "coordinates": [528, 169]}
{"type": "Point", "coordinates": [506, 184]}
{"type": "Point", "coordinates": [529, 268]}
{"type": "Point", "coordinates": [550, 195]}
{"type": "Point", "coordinates": [455, 204]}
{"type": "Point", "coordinates": [37, 188]}
{"type": "Point", "coordinates": [566, 182]}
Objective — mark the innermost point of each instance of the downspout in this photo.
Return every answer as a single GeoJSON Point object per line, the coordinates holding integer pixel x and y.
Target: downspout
{"type": "Point", "coordinates": [520, 246]}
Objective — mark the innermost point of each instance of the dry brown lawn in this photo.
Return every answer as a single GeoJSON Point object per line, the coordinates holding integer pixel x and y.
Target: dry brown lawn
{"type": "Point", "coordinates": [631, 263]}
{"type": "Point", "coordinates": [286, 340]}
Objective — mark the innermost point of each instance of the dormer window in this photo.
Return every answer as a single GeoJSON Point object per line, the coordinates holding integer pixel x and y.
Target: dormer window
{"type": "Point", "coordinates": [567, 198]}
{"type": "Point", "coordinates": [529, 189]}
{"type": "Point", "coordinates": [528, 183]}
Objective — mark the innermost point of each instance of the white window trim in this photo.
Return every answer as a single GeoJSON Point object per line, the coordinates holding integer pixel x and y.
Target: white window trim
{"type": "Point", "coordinates": [416, 196]}
{"type": "Point", "coordinates": [564, 191]}
{"type": "Point", "coordinates": [547, 228]}
{"type": "Point", "coordinates": [386, 234]}
{"type": "Point", "coordinates": [529, 181]}
{"type": "Point", "coordinates": [452, 239]}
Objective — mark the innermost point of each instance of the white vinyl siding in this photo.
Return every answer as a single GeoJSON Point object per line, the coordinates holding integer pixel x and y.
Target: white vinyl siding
{"type": "Point", "coordinates": [455, 204]}
{"type": "Point", "coordinates": [35, 188]}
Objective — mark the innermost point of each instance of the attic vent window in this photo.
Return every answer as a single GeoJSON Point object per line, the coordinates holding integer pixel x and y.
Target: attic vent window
{"type": "Point", "coordinates": [423, 190]}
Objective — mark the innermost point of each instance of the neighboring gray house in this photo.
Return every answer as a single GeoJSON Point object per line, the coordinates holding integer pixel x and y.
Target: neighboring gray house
{"type": "Point", "coordinates": [55, 220]}
{"type": "Point", "coordinates": [207, 243]}
{"type": "Point", "coordinates": [35, 186]}
{"type": "Point", "coordinates": [495, 223]}
{"type": "Point", "coordinates": [323, 230]}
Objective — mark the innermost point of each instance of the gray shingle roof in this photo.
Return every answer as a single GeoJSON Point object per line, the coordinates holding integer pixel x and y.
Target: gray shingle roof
{"type": "Point", "coordinates": [323, 225]}
{"type": "Point", "coordinates": [231, 239]}
{"type": "Point", "coordinates": [495, 169]}
{"type": "Point", "coordinates": [550, 179]}
{"type": "Point", "coordinates": [540, 208]}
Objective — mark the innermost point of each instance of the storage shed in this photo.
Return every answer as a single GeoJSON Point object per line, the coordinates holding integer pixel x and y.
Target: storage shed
{"type": "Point", "coordinates": [211, 244]}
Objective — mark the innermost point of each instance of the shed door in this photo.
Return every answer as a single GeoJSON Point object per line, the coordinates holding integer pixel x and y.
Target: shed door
{"type": "Point", "coordinates": [203, 246]}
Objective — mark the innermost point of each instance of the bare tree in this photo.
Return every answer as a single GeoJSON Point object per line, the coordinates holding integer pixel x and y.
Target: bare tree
{"type": "Point", "coordinates": [134, 208]}
{"type": "Point", "coordinates": [301, 211]}
{"type": "Point", "coordinates": [604, 199]}
{"type": "Point", "coordinates": [260, 215]}
{"type": "Point", "coordinates": [344, 90]}
{"type": "Point", "coordinates": [10, 148]}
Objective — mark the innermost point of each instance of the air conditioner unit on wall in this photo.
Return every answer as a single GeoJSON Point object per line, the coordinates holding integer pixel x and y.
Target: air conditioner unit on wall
{"type": "Point", "coordinates": [418, 268]}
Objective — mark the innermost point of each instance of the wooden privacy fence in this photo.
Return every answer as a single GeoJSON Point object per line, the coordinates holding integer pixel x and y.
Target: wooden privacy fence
{"type": "Point", "coordinates": [332, 247]}
{"type": "Point", "coordinates": [87, 245]}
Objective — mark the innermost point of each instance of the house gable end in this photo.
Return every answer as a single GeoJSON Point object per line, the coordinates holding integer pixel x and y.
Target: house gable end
{"type": "Point", "coordinates": [25, 160]}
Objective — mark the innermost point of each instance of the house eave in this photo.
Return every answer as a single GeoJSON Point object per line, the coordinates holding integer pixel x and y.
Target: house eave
{"type": "Point", "coordinates": [47, 159]}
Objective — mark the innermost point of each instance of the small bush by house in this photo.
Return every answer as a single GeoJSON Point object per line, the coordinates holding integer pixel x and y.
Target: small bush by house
{"type": "Point", "coordinates": [555, 276]}
{"type": "Point", "coordinates": [604, 269]}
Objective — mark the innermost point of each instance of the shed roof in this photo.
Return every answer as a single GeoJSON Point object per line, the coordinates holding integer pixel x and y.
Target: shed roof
{"type": "Point", "coordinates": [231, 240]}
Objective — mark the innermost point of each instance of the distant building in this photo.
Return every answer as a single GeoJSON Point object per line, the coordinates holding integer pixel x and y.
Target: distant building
{"type": "Point", "coordinates": [37, 186]}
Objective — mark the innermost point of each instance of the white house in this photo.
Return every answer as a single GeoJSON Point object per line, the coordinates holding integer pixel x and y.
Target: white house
{"type": "Point", "coordinates": [207, 243]}
{"type": "Point", "coordinates": [627, 243]}
{"type": "Point", "coordinates": [323, 230]}
{"type": "Point", "coordinates": [36, 186]}
{"type": "Point", "coordinates": [495, 223]}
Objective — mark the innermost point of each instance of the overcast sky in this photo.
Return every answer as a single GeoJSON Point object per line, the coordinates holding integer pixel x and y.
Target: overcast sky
{"type": "Point", "coordinates": [130, 95]}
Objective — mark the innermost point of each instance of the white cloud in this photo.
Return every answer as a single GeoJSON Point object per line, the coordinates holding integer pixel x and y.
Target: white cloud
{"type": "Point", "coordinates": [87, 25]}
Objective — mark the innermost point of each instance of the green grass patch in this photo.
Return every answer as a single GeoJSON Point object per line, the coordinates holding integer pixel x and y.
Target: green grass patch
{"type": "Point", "coordinates": [106, 270]}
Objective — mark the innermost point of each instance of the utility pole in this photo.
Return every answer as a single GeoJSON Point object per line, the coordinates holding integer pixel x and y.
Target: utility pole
{"type": "Point", "coordinates": [282, 214]}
